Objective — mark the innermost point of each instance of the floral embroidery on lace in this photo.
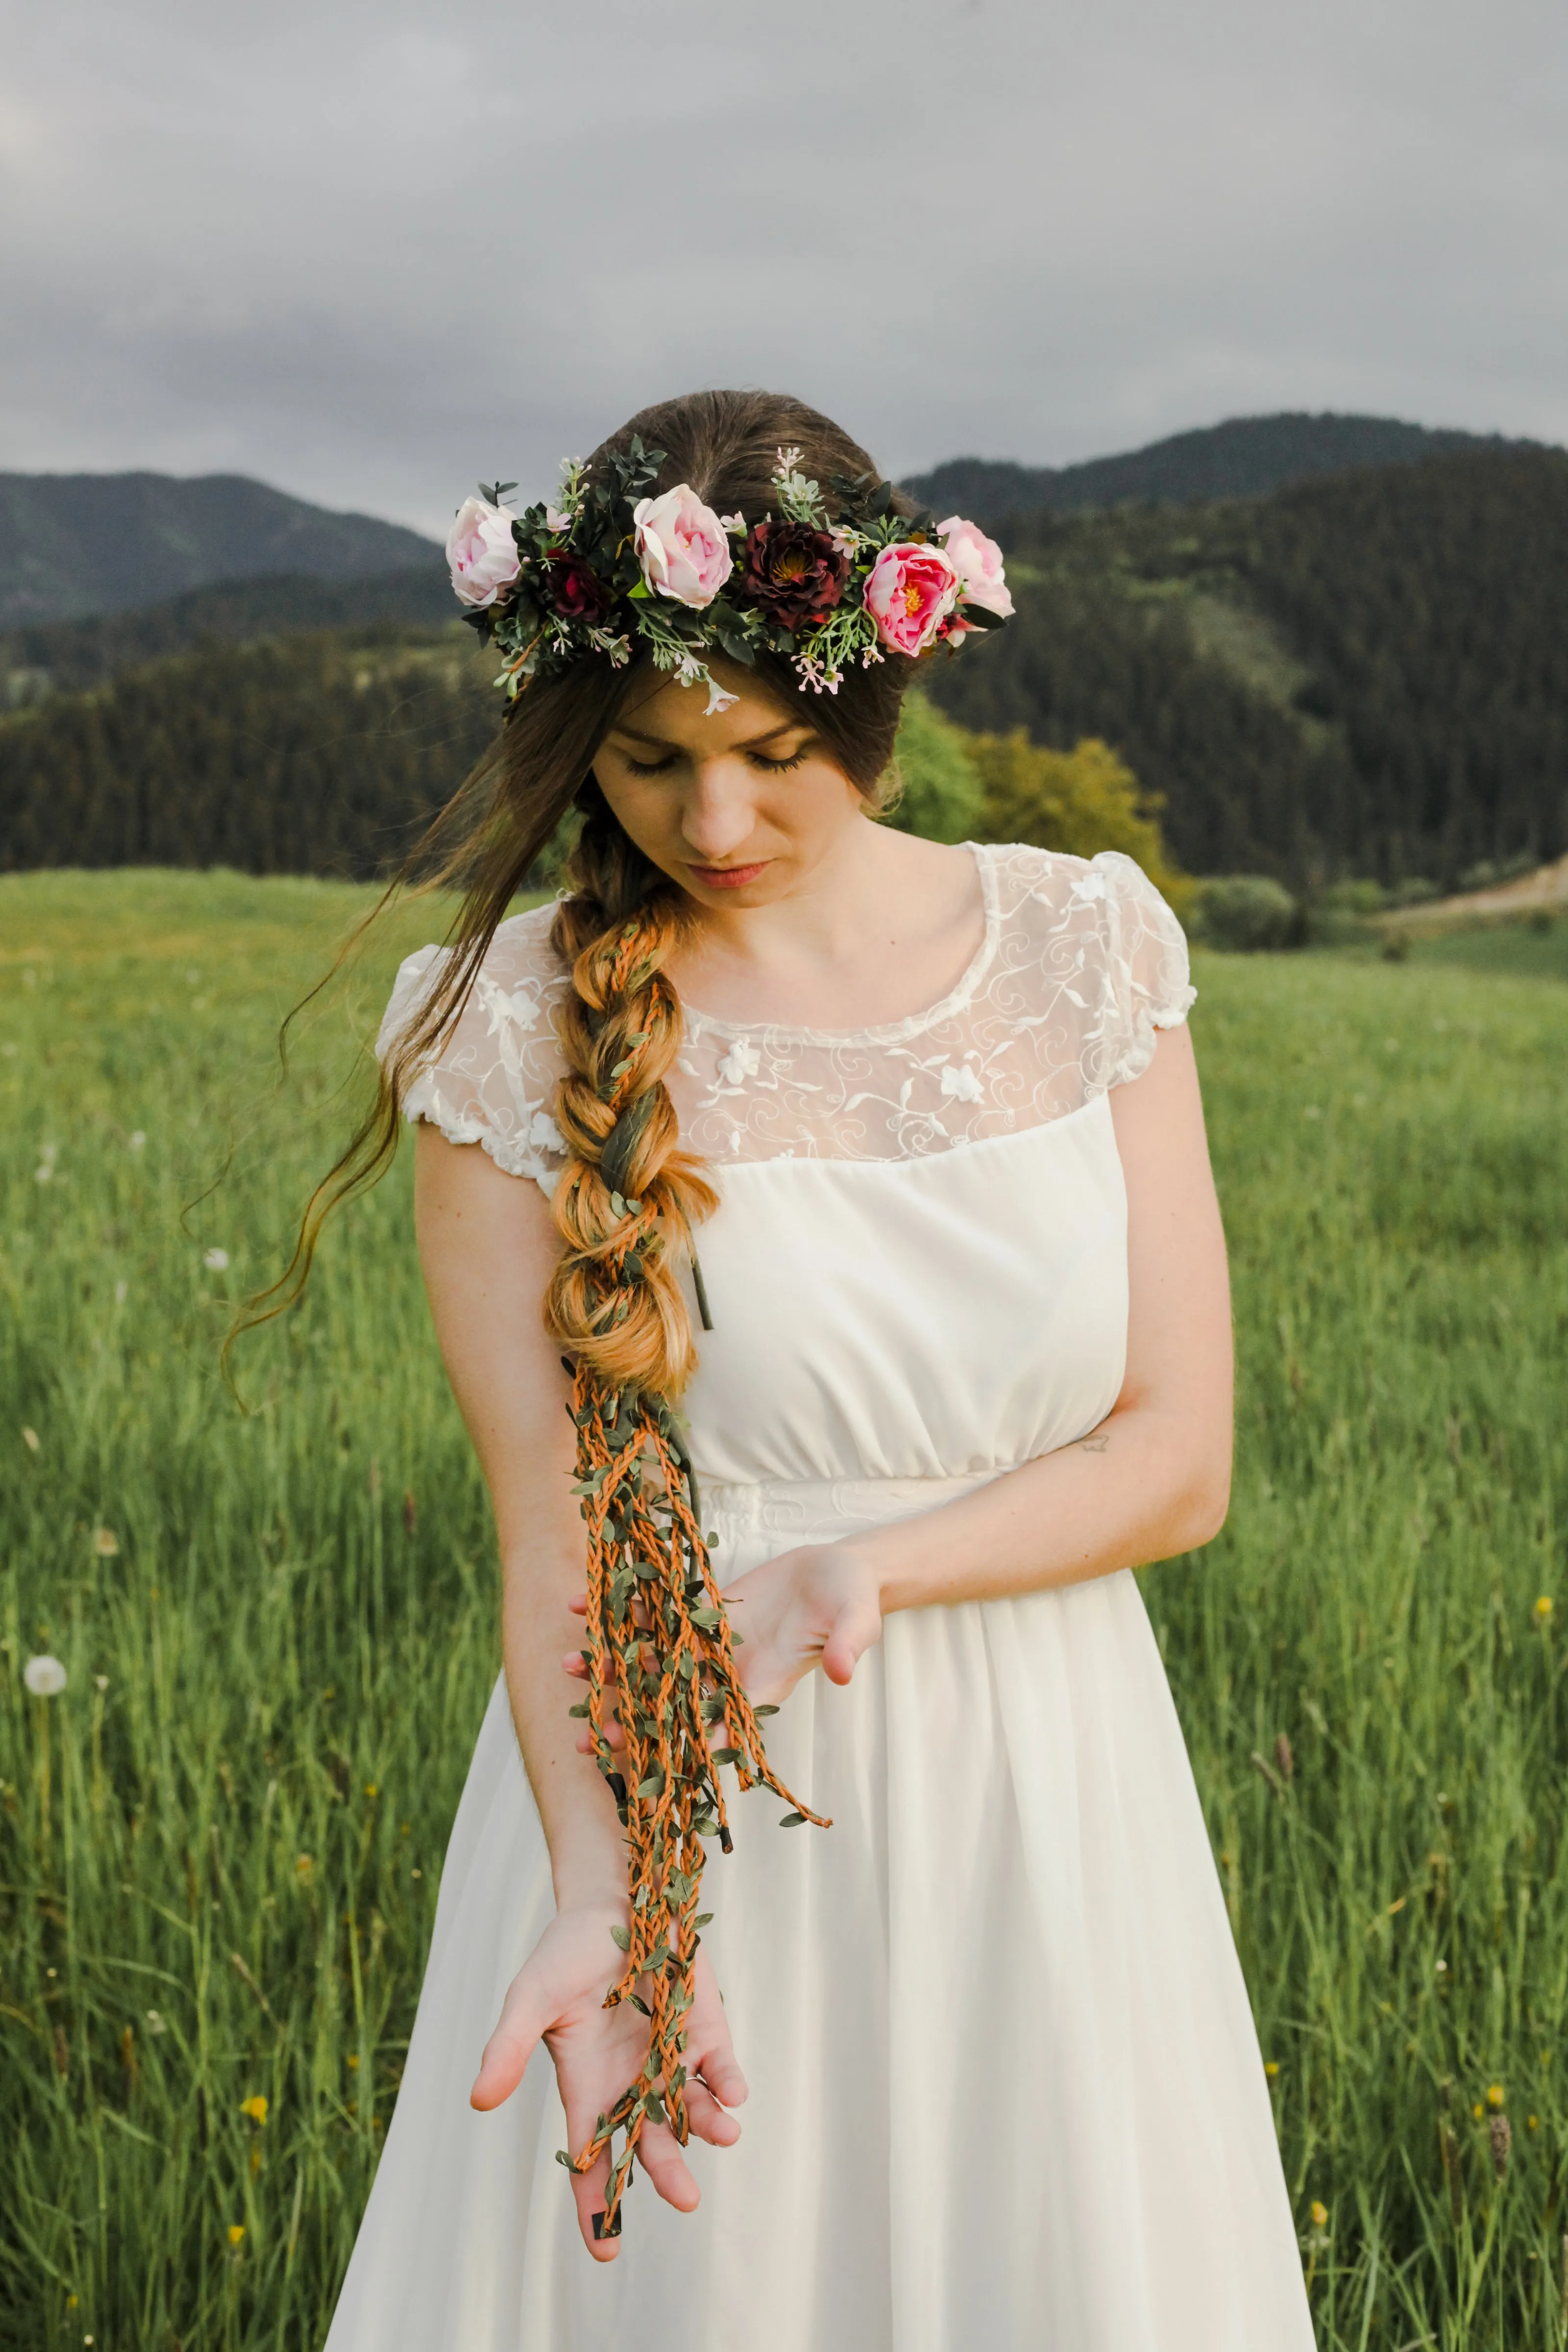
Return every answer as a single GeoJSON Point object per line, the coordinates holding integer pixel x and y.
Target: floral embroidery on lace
{"type": "Point", "coordinates": [1082, 962]}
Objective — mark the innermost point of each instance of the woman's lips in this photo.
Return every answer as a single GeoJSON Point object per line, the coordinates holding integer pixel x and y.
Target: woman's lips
{"type": "Point", "coordinates": [728, 877]}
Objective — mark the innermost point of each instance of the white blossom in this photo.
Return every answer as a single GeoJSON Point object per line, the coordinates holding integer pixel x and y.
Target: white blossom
{"type": "Point", "coordinates": [543, 1133]}
{"type": "Point", "coordinates": [215, 1260]}
{"type": "Point", "coordinates": [45, 1677]}
{"type": "Point", "coordinates": [961, 1083]}
{"type": "Point", "coordinates": [741, 1062]}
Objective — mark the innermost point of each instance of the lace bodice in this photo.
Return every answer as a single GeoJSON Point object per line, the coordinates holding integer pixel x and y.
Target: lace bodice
{"type": "Point", "coordinates": [1081, 961]}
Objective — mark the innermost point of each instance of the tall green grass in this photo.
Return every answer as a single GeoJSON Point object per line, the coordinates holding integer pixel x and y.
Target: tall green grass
{"type": "Point", "coordinates": [219, 1846]}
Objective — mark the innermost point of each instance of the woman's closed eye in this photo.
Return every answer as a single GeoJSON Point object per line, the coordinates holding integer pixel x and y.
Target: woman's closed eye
{"type": "Point", "coordinates": [759, 759]}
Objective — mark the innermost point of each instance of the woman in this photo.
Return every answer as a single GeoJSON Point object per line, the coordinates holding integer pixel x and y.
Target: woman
{"type": "Point", "coordinates": [969, 1363]}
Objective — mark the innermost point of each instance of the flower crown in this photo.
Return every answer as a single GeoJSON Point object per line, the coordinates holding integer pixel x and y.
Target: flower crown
{"type": "Point", "coordinates": [609, 564]}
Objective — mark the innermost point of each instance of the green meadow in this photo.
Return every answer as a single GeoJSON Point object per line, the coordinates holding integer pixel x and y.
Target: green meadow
{"type": "Point", "coordinates": [220, 1842]}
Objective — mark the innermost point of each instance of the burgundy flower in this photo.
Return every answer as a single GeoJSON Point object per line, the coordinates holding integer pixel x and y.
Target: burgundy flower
{"type": "Point", "coordinates": [574, 589]}
{"type": "Point", "coordinates": [796, 574]}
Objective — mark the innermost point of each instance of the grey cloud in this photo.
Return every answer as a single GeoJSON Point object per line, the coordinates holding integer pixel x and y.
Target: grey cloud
{"type": "Point", "coordinates": [374, 250]}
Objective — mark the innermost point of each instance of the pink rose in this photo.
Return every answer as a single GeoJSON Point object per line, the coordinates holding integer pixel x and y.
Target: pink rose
{"type": "Point", "coordinates": [481, 551]}
{"type": "Point", "coordinates": [910, 591]}
{"type": "Point", "coordinates": [682, 546]}
{"type": "Point", "coordinates": [978, 563]}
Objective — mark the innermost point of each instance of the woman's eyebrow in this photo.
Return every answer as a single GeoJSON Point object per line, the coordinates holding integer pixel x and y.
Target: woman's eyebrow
{"type": "Point", "coordinates": [753, 742]}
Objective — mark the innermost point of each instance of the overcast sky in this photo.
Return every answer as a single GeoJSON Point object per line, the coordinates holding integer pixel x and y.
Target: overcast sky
{"type": "Point", "coordinates": [370, 250]}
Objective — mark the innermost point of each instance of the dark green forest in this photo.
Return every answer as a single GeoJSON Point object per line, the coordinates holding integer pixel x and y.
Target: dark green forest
{"type": "Point", "coordinates": [319, 754]}
{"type": "Point", "coordinates": [1365, 674]}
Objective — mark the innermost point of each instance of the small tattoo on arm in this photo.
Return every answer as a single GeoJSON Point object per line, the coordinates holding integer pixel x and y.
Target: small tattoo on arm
{"type": "Point", "coordinates": [1092, 1444]}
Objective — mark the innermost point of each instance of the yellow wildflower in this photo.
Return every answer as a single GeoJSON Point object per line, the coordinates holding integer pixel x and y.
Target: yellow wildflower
{"type": "Point", "coordinates": [255, 2107]}
{"type": "Point", "coordinates": [1320, 2215]}
{"type": "Point", "coordinates": [1494, 2096]}
{"type": "Point", "coordinates": [1271, 2067]}
{"type": "Point", "coordinates": [236, 2232]}
{"type": "Point", "coordinates": [1543, 1607]}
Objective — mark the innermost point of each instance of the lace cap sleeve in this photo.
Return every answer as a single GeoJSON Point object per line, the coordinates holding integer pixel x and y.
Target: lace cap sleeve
{"type": "Point", "coordinates": [493, 1081]}
{"type": "Point", "coordinates": [1146, 950]}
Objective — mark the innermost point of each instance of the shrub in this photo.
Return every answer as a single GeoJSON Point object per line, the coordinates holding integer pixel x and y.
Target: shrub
{"type": "Point", "coordinates": [1246, 911]}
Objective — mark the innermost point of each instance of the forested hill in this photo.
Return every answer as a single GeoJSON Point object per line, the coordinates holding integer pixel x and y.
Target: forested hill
{"type": "Point", "coordinates": [1364, 674]}
{"type": "Point", "coordinates": [1246, 457]}
{"type": "Point", "coordinates": [53, 656]}
{"type": "Point", "coordinates": [78, 543]}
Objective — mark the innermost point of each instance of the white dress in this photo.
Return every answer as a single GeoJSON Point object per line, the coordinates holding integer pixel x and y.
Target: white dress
{"type": "Point", "coordinates": [1006, 2090]}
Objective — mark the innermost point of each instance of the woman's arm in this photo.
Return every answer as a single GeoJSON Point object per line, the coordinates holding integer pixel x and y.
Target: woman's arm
{"type": "Point", "coordinates": [1153, 1479]}
{"type": "Point", "coordinates": [487, 1243]}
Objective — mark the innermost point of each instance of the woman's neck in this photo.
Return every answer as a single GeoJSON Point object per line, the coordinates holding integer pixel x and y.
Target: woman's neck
{"type": "Point", "coordinates": [882, 927]}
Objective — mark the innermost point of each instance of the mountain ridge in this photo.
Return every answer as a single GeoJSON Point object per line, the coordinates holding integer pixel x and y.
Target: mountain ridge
{"type": "Point", "coordinates": [72, 545]}
{"type": "Point", "coordinates": [1242, 457]}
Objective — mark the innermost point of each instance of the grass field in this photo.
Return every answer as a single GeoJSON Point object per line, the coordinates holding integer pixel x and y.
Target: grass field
{"type": "Point", "coordinates": [221, 1841]}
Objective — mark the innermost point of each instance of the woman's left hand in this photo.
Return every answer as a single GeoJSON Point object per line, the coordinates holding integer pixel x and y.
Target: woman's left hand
{"type": "Point", "coordinates": [819, 1605]}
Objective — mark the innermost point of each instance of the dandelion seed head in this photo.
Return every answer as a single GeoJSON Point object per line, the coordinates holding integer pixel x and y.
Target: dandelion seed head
{"type": "Point", "coordinates": [44, 1677]}
{"type": "Point", "coordinates": [105, 1543]}
{"type": "Point", "coordinates": [215, 1260]}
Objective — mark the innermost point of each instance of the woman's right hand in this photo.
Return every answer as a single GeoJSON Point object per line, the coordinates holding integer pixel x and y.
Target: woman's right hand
{"type": "Point", "coordinates": [557, 1998]}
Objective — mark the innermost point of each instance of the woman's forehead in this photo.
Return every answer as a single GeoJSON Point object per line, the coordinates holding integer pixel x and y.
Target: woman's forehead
{"type": "Point", "coordinates": [667, 713]}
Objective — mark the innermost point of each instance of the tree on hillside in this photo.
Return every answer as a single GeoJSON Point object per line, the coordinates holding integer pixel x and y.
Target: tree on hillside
{"type": "Point", "coordinates": [1081, 800]}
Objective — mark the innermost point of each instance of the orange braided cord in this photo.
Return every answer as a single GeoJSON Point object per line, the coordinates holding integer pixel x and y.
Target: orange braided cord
{"type": "Point", "coordinates": [654, 1609]}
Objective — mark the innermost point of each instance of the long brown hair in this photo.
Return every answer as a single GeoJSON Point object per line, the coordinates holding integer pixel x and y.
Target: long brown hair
{"type": "Point", "coordinates": [621, 1026]}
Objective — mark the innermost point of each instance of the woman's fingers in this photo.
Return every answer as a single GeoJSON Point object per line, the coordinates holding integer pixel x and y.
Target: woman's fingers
{"type": "Point", "coordinates": [717, 2067]}
{"type": "Point", "coordinates": [857, 1625]}
{"type": "Point", "coordinates": [710, 2053]}
{"type": "Point", "coordinates": [709, 2121]}
{"type": "Point", "coordinates": [589, 2188]}
{"type": "Point", "coordinates": [658, 2153]}
{"type": "Point", "coordinates": [524, 2019]}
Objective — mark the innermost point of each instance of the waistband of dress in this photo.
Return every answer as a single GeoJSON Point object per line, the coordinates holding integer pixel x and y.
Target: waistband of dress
{"type": "Point", "coordinates": [777, 1505]}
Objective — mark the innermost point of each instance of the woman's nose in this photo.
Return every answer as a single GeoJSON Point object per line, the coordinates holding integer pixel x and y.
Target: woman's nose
{"type": "Point", "coordinates": [718, 817]}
